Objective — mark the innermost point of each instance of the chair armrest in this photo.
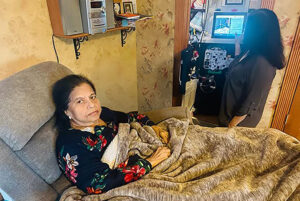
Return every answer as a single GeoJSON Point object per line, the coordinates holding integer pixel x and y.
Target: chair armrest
{"type": "Point", "coordinates": [162, 114]}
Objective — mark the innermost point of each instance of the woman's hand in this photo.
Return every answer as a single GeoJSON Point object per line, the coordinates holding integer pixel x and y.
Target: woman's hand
{"type": "Point", "coordinates": [161, 154]}
{"type": "Point", "coordinates": [236, 120]}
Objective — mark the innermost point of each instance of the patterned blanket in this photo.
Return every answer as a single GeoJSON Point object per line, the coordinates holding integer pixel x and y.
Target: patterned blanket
{"type": "Point", "coordinates": [208, 164]}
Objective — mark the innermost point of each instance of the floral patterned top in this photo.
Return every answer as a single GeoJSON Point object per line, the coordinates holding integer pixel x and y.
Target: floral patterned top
{"type": "Point", "coordinates": [79, 154]}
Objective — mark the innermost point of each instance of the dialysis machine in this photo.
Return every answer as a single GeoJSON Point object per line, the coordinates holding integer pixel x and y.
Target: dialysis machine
{"type": "Point", "coordinates": [216, 55]}
{"type": "Point", "coordinates": [212, 54]}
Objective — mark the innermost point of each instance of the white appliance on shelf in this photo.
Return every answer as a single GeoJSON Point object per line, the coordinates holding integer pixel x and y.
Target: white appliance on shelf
{"type": "Point", "coordinates": [93, 14]}
{"type": "Point", "coordinates": [70, 17]}
{"type": "Point", "coordinates": [110, 16]}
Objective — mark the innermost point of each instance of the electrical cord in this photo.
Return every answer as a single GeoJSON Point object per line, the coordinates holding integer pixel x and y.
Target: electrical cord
{"type": "Point", "coordinates": [53, 43]}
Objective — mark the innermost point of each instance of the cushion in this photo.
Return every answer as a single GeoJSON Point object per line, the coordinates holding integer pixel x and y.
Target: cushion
{"type": "Point", "coordinates": [39, 153]}
{"type": "Point", "coordinates": [26, 102]}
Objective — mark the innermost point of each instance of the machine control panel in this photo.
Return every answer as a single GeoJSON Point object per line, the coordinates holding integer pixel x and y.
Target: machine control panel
{"type": "Point", "coordinates": [216, 59]}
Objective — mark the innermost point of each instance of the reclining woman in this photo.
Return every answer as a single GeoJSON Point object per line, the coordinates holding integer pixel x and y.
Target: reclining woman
{"type": "Point", "coordinates": [86, 130]}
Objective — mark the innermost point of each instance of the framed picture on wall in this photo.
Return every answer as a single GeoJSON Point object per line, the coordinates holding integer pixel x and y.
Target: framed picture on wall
{"type": "Point", "coordinates": [234, 2]}
{"type": "Point", "coordinates": [128, 7]}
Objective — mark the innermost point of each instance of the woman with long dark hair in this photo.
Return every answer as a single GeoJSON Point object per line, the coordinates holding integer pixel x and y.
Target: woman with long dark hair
{"type": "Point", "coordinates": [250, 75]}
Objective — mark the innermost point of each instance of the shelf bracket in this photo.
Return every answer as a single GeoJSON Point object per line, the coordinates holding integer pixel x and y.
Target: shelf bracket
{"type": "Point", "coordinates": [124, 33]}
{"type": "Point", "coordinates": [76, 42]}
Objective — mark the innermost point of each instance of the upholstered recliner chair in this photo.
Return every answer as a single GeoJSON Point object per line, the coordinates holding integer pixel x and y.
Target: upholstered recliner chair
{"type": "Point", "coordinates": [28, 167]}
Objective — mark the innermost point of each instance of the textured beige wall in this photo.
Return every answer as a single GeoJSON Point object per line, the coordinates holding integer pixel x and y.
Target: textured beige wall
{"type": "Point", "coordinates": [25, 38]}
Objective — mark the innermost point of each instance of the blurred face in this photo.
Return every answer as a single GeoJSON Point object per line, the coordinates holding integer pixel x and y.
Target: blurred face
{"type": "Point", "coordinates": [84, 108]}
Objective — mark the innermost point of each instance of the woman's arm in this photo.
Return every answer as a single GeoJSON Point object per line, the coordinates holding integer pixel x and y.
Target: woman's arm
{"type": "Point", "coordinates": [140, 118]}
{"type": "Point", "coordinates": [82, 167]}
{"type": "Point", "coordinates": [131, 170]}
{"type": "Point", "coordinates": [259, 81]}
{"type": "Point", "coordinates": [79, 160]}
{"type": "Point", "coordinates": [121, 117]}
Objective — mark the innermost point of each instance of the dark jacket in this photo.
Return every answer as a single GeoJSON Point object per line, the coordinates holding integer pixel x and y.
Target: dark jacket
{"type": "Point", "coordinates": [246, 89]}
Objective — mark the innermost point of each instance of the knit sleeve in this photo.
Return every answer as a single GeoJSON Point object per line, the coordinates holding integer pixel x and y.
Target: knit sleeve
{"type": "Point", "coordinates": [127, 172]}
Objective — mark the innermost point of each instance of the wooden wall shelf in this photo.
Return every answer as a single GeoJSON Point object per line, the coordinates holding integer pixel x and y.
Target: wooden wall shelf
{"type": "Point", "coordinates": [72, 36]}
{"type": "Point", "coordinates": [58, 28]}
{"type": "Point", "coordinates": [79, 38]}
{"type": "Point", "coordinates": [85, 34]}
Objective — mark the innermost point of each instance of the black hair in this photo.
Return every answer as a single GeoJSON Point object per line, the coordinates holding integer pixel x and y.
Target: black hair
{"type": "Point", "coordinates": [61, 96]}
{"type": "Point", "coordinates": [262, 37]}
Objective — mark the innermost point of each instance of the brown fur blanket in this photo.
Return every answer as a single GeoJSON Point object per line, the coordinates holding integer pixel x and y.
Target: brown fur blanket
{"type": "Point", "coordinates": [208, 164]}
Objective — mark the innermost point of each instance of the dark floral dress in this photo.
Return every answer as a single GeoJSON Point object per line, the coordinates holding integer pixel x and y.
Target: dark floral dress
{"type": "Point", "coordinates": [79, 155]}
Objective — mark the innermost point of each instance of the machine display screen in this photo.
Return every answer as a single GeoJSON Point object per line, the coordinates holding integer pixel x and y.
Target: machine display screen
{"type": "Point", "coordinates": [96, 4]}
{"type": "Point", "coordinates": [227, 24]}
